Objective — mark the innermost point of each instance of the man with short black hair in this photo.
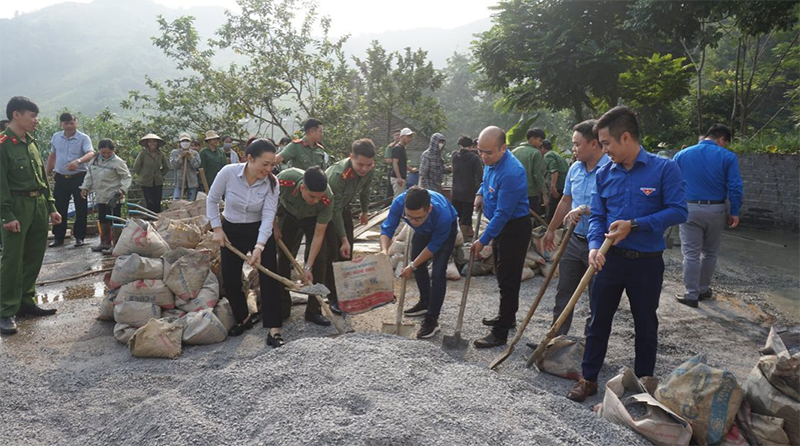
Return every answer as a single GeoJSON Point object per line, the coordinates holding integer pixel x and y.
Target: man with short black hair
{"type": "Point", "coordinates": [399, 170]}
{"type": "Point", "coordinates": [25, 205]}
{"type": "Point", "coordinates": [387, 155]}
{"type": "Point", "coordinates": [712, 175]}
{"type": "Point", "coordinates": [503, 197]}
{"type": "Point", "coordinates": [347, 179]}
{"type": "Point", "coordinates": [305, 208]}
{"type": "Point", "coordinates": [531, 158]}
{"type": "Point", "coordinates": [71, 151]}
{"type": "Point", "coordinates": [467, 177]}
{"type": "Point", "coordinates": [555, 171]}
{"type": "Point", "coordinates": [638, 195]}
{"type": "Point", "coordinates": [434, 221]}
{"type": "Point", "coordinates": [308, 151]}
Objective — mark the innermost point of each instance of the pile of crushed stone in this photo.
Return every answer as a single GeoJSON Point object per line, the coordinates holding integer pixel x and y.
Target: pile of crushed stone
{"type": "Point", "coordinates": [357, 389]}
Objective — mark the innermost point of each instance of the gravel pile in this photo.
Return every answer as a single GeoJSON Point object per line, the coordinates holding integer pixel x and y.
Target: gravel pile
{"type": "Point", "coordinates": [357, 389]}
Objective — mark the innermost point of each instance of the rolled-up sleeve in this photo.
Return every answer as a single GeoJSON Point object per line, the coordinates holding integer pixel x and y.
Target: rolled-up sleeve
{"type": "Point", "coordinates": [389, 226]}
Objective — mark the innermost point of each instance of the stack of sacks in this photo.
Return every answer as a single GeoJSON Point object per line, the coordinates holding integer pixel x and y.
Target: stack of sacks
{"type": "Point", "coordinates": [174, 287]}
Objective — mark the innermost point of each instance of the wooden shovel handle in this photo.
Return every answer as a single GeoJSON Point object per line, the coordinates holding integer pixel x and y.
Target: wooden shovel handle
{"type": "Point", "coordinates": [203, 177]}
{"type": "Point", "coordinates": [288, 283]}
{"type": "Point", "coordinates": [294, 261]}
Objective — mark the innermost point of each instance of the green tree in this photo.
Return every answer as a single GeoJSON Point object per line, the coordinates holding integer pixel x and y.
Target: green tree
{"type": "Point", "coordinates": [402, 84]}
{"type": "Point", "coordinates": [293, 71]}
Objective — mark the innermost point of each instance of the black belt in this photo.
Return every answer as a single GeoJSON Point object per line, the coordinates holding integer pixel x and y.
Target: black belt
{"type": "Point", "coordinates": [67, 177]}
{"type": "Point", "coordinates": [706, 201]}
{"type": "Point", "coordinates": [26, 193]}
{"type": "Point", "coordinates": [580, 237]}
{"type": "Point", "coordinates": [633, 254]}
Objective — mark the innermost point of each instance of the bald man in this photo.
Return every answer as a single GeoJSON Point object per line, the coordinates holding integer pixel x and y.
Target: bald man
{"type": "Point", "coordinates": [504, 198]}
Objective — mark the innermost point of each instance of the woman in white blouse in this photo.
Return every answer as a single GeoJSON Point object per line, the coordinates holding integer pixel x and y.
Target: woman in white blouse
{"type": "Point", "coordinates": [251, 199]}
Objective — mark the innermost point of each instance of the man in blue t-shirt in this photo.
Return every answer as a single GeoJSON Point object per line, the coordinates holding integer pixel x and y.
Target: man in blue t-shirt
{"type": "Point", "coordinates": [434, 221]}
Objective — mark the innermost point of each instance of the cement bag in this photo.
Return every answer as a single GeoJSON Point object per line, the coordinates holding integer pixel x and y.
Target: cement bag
{"type": "Point", "coordinates": [546, 267]}
{"type": "Point", "coordinates": [207, 297]}
{"type": "Point", "coordinates": [134, 267]}
{"type": "Point", "coordinates": [478, 269]}
{"type": "Point", "coordinates": [563, 357]}
{"type": "Point", "coordinates": [175, 313]}
{"type": "Point", "coordinates": [459, 238]}
{"type": "Point", "coordinates": [180, 235]}
{"type": "Point", "coordinates": [196, 208]}
{"type": "Point", "coordinates": [766, 399]}
{"type": "Point", "coordinates": [157, 339]}
{"type": "Point", "coordinates": [452, 272]}
{"type": "Point", "coordinates": [177, 204]}
{"type": "Point", "coordinates": [186, 274]}
{"type": "Point", "coordinates": [107, 306]}
{"type": "Point", "coordinates": [461, 256]}
{"type": "Point", "coordinates": [770, 430]}
{"type": "Point", "coordinates": [140, 237]}
{"type": "Point", "coordinates": [207, 243]}
{"type": "Point", "coordinates": [147, 291]}
{"type": "Point", "coordinates": [136, 314]}
{"type": "Point", "coordinates": [527, 273]}
{"type": "Point", "coordinates": [202, 327]}
{"type": "Point", "coordinates": [224, 313]}
{"type": "Point", "coordinates": [176, 214]}
{"type": "Point", "coordinates": [659, 425]}
{"type": "Point", "coordinates": [364, 284]}
{"type": "Point", "coordinates": [485, 253]}
{"type": "Point", "coordinates": [534, 257]}
{"type": "Point", "coordinates": [397, 247]}
{"type": "Point", "coordinates": [401, 234]}
{"type": "Point", "coordinates": [123, 332]}
{"type": "Point", "coordinates": [706, 397]}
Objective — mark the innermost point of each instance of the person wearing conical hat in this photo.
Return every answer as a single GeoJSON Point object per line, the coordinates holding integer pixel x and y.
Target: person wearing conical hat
{"type": "Point", "coordinates": [150, 168]}
{"type": "Point", "coordinates": [184, 179]}
{"type": "Point", "coordinates": [212, 159]}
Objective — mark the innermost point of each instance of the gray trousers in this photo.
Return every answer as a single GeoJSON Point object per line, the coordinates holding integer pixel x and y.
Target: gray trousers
{"type": "Point", "coordinates": [700, 238]}
{"type": "Point", "coordinates": [573, 266]}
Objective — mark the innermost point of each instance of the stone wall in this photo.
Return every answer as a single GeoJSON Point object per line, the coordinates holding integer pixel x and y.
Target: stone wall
{"type": "Point", "coordinates": [771, 190]}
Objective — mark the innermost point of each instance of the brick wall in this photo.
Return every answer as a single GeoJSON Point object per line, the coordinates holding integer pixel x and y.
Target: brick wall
{"type": "Point", "coordinates": [771, 190]}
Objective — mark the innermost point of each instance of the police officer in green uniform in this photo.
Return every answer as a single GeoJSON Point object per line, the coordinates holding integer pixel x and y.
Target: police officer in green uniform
{"type": "Point", "coordinates": [528, 154]}
{"type": "Point", "coordinates": [306, 152]}
{"type": "Point", "coordinates": [347, 178]}
{"type": "Point", "coordinates": [556, 168]}
{"type": "Point", "coordinates": [305, 207]}
{"type": "Point", "coordinates": [26, 205]}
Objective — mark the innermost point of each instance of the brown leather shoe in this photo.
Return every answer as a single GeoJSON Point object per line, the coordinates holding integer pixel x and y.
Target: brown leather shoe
{"type": "Point", "coordinates": [581, 390]}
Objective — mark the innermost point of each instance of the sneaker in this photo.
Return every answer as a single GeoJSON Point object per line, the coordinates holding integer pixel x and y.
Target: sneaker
{"type": "Point", "coordinates": [429, 328]}
{"type": "Point", "coordinates": [417, 310]}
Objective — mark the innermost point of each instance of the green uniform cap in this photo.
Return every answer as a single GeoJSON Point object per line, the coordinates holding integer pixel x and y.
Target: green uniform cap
{"type": "Point", "coordinates": [292, 200]}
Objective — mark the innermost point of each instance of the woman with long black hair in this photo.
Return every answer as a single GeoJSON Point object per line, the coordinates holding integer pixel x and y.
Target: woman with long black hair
{"type": "Point", "coordinates": [251, 199]}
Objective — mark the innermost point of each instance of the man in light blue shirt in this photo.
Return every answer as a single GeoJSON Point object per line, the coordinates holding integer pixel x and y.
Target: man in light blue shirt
{"type": "Point", "coordinates": [579, 185]}
{"type": "Point", "coordinates": [712, 175]}
{"type": "Point", "coordinates": [70, 153]}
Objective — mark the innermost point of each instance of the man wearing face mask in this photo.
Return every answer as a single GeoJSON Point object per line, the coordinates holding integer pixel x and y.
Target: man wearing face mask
{"type": "Point", "coordinates": [431, 164]}
{"type": "Point", "coordinates": [227, 147]}
{"type": "Point", "coordinates": [177, 158]}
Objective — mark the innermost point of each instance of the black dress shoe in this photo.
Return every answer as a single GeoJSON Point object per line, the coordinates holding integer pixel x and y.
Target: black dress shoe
{"type": "Point", "coordinates": [275, 340]}
{"type": "Point", "coordinates": [252, 320]}
{"type": "Point", "coordinates": [318, 319]}
{"type": "Point", "coordinates": [8, 325]}
{"type": "Point", "coordinates": [335, 309]}
{"type": "Point", "coordinates": [79, 242]}
{"type": "Point", "coordinates": [532, 345]}
{"type": "Point", "coordinates": [706, 295]}
{"type": "Point", "coordinates": [35, 311]}
{"type": "Point", "coordinates": [688, 302]}
{"type": "Point", "coordinates": [56, 242]}
{"type": "Point", "coordinates": [236, 330]}
{"type": "Point", "coordinates": [491, 321]}
{"type": "Point", "coordinates": [489, 341]}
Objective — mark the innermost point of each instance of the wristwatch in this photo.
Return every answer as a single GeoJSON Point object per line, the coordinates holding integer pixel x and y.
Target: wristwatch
{"type": "Point", "coordinates": [413, 268]}
{"type": "Point", "coordinates": [634, 225]}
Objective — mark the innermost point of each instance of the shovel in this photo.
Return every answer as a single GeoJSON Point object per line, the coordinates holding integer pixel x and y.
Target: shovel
{"type": "Point", "coordinates": [323, 303]}
{"type": "Point", "coordinates": [537, 354]}
{"type": "Point", "coordinates": [203, 177]}
{"type": "Point", "coordinates": [311, 290]}
{"type": "Point", "coordinates": [538, 218]}
{"type": "Point", "coordinates": [398, 327]}
{"type": "Point", "coordinates": [455, 342]}
{"type": "Point", "coordinates": [183, 183]}
{"type": "Point", "coordinates": [142, 209]}
{"type": "Point", "coordinates": [510, 349]}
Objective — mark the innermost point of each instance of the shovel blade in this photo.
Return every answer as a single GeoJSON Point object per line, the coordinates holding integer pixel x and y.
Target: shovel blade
{"type": "Point", "coordinates": [403, 330]}
{"type": "Point", "coordinates": [454, 342]}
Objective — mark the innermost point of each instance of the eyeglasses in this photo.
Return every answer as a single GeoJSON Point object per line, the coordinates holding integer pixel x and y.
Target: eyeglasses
{"type": "Point", "coordinates": [415, 219]}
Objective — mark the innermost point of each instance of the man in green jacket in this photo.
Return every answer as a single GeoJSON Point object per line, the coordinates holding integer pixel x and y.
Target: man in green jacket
{"type": "Point", "coordinates": [212, 159]}
{"type": "Point", "coordinates": [347, 179]}
{"type": "Point", "coordinates": [26, 204]}
{"type": "Point", "coordinates": [556, 167]}
{"type": "Point", "coordinates": [528, 154]}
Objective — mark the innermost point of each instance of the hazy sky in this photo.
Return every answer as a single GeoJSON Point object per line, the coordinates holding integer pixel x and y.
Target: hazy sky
{"type": "Point", "coordinates": [349, 16]}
